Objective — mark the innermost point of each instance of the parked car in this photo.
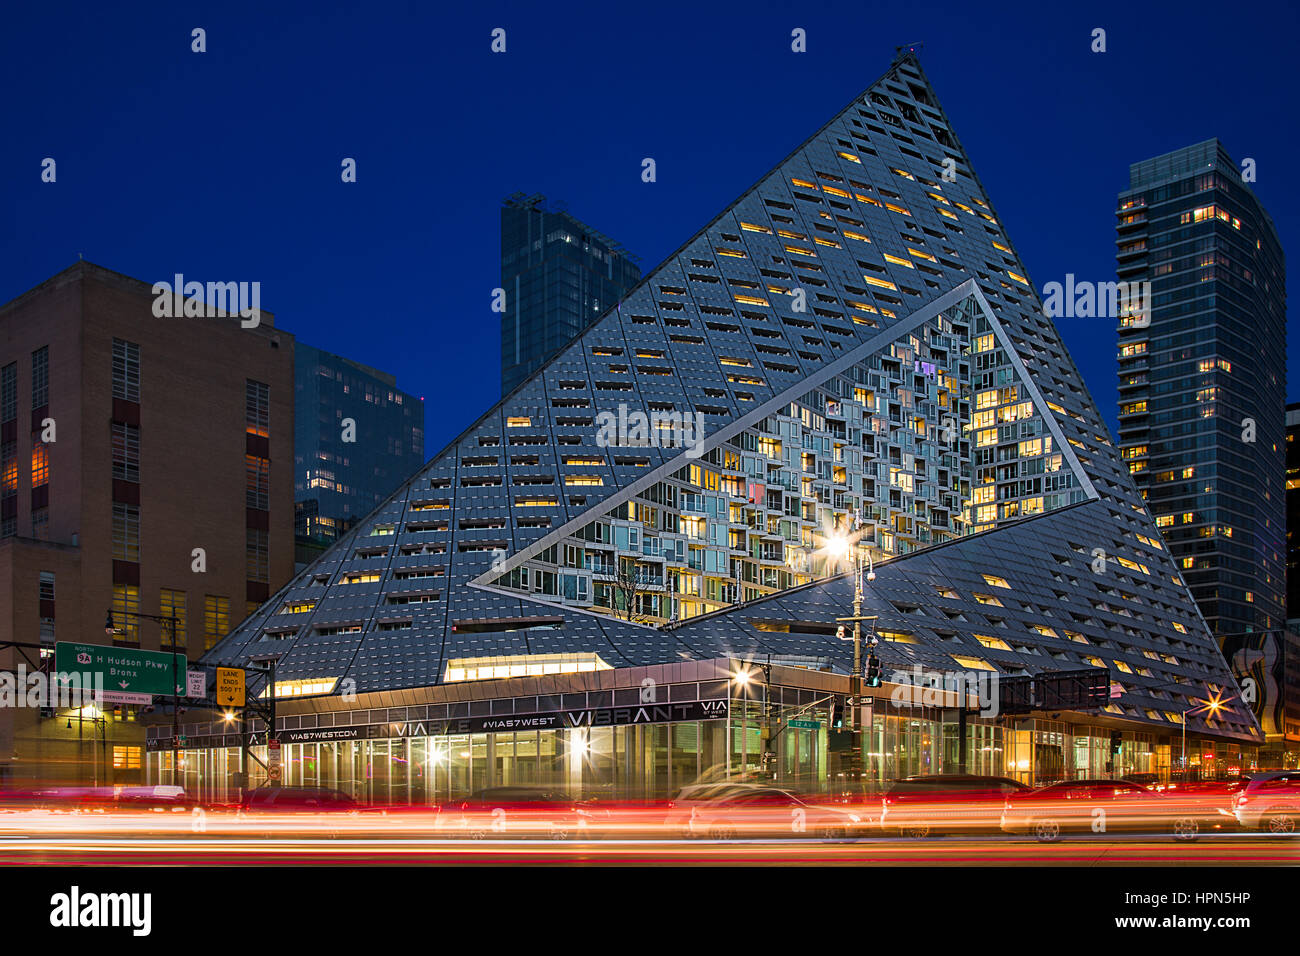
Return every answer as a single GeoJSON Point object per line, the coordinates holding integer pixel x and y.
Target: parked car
{"type": "Point", "coordinates": [756, 811]}
{"type": "Point", "coordinates": [923, 805]}
{"type": "Point", "coordinates": [505, 812]}
{"type": "Point", "coordinates": [1104, 806]}
{"type": "Point", "coordinates": [1270, 802]}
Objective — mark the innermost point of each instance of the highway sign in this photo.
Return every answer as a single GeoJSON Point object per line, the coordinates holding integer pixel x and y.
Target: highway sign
{"type": "Point", "coordinates": [124, 670]}
{"type": "Point", "coordinates": [196, 684]}
{"type": "Point", "coordinates": [230, 687]}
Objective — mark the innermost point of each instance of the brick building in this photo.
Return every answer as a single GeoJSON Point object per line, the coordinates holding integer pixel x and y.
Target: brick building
{"type": "Point", "coordinates": [128, 442]}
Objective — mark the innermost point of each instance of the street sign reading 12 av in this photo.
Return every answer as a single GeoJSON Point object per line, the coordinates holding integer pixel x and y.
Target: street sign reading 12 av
{"type": "Point", "coordinates": [124, 670]}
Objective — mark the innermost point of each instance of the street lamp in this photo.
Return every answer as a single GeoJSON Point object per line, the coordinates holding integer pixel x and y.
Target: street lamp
{"type": "Point", "coordinates": [845, 547]}
{"type": "Point", "coordinates": [169, 620]}
{"type": "Point", "coordinates": [1213, 705]}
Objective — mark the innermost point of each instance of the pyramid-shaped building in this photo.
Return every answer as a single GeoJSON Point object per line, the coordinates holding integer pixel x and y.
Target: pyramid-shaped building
{"type": "Point", "coordinates": [852, 348]}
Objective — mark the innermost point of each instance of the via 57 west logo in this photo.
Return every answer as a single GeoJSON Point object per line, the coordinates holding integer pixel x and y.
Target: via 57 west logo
{"type": "Point", "coordinates": [1099, 300]}
{"type": "Point", "coordinates": [212, 300]}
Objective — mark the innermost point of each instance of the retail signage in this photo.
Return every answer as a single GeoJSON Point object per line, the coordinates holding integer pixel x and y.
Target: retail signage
{"type": "Point", "coordinates": [581, 717]}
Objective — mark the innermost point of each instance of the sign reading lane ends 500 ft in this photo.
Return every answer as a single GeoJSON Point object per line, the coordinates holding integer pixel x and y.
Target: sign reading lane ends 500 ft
{"type": "Point", "coordinates": [125, 670]}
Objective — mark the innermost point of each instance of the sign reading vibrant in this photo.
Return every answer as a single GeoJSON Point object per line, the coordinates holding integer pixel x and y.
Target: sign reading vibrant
{"type": "Point", "coordinates": [125, 670]}
{"type": "Point", "coordinates": [230, 687]}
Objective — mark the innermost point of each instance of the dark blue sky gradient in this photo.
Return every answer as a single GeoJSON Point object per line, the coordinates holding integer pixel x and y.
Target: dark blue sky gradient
{"type": "Point", "coordinates": [225, 165]}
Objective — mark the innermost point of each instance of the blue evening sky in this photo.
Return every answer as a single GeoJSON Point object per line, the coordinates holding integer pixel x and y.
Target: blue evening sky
{"type": "Point", "coordinates": [225, 165]}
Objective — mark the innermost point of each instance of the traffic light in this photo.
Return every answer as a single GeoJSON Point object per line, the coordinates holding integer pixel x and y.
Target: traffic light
{"type": "Point", "coordinates": [873, 671]}
{"type": "Point", "coordinates": [1115, 738]}
{"type": "Point", "coordinates": [837, 716]}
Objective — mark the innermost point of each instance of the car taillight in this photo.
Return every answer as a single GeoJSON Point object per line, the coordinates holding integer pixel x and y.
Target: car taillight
{"type": "Point", "coordinates": [671, 804]}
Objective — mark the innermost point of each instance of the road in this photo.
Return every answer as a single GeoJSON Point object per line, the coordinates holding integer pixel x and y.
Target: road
{"type": "Point", "coordinates": [204, 850]}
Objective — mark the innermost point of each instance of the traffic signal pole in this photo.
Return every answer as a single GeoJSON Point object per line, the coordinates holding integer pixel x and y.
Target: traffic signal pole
{"type": "Point", "coordinates": [855, 679]}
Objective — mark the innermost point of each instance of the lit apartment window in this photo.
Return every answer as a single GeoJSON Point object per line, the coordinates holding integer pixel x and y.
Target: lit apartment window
{"type": "Point", "coordinates": [126, 758]}
{"type": "Point", "coordinates": [126, 604]}
{"type": "Point", "coordinates": [216, 619]}
{"type": "Point", "coordinates": [41, 377]}
{"type": "Point", "coordinates": [172, 602]}
{"type": "Point", "coordinates": [40, 464]}
{"type": "Point", "coordinates": [126, 370]}
{"type": "Point", "coordinates": [126, 532]}
{"type": "Point", "coordinates": [257, 408]}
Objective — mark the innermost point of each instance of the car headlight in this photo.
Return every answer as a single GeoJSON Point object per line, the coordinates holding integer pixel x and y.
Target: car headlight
{"type": "Point", "coordinates": [855, 818]}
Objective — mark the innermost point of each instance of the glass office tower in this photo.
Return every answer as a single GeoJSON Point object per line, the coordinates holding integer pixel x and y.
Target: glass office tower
{"type": "Point", "coordinates": [341, 473]}
{"type": "Point", "coordinates": [559, 276]}
{"type": "Point", "coordinates": [1202, 387]}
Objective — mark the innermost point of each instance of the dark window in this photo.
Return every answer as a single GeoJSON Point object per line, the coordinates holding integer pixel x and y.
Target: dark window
{"type": "Point", "coordinates": [41, 377]}
{"type": "Point", "coordinates": [126, 370]}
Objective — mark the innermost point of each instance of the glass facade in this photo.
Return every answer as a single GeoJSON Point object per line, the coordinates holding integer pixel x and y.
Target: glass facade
{"type": "Point", "coordinates": [559, 276]}
{"type": "Point", "coordinates": [342, 473]}
{"type": "Point", "coordinates": [654, 761]}
{"type": "Point", "coordinates": [909, 448]}
{"type": "Point", "coordinates": [1202, 380]}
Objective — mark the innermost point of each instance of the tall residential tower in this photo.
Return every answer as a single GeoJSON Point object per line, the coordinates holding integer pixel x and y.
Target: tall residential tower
{"type": "Point", "coordinates": [559, 276]}
{"type": "Point", "coordinates": [1202, 384]}
{"type": "Point", "coordinates": [357, 436]}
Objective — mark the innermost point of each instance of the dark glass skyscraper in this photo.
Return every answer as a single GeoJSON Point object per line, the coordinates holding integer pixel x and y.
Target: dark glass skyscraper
{"type": "Point", "coordinates": [1293, 511]}
{"type": "Point", "coordinates": [341, 473]}
{"type": "Point", "coordinates": [1202, 386]}
{"type": "Point", "coordinates": [559, 276]}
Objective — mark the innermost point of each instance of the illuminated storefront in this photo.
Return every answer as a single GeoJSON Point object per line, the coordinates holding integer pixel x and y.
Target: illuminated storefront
{"type": "Point", "coordinates": [640, 734]}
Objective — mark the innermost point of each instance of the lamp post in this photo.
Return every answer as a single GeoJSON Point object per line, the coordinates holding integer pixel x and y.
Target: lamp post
{"type": "Point", "coordinates": [169, 620]}
{"type": "Point", "coordinates": [847, 548]}
{"type": "Point", "coordinates": [1213, 705]}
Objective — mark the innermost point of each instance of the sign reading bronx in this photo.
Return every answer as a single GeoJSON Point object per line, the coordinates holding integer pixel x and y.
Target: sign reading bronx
{"type": "Point", "coordinates": [124, 670]}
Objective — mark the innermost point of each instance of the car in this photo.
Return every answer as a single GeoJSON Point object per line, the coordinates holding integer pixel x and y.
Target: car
{"type": "Point", "coordinates": [757, 811]}
{"type": "Point", "coordinates": [157, 798]}
{"type": "Point", "coordinates": [297, 800]}
{"type": "Point", "coordinates": [1104, 806]}
{"type": "Point", "coordinates": [517, 811]}
{"type": "Point", "coordinates": [927, 804]}
{"type": "Point", "coordinates": [1270, 802]}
